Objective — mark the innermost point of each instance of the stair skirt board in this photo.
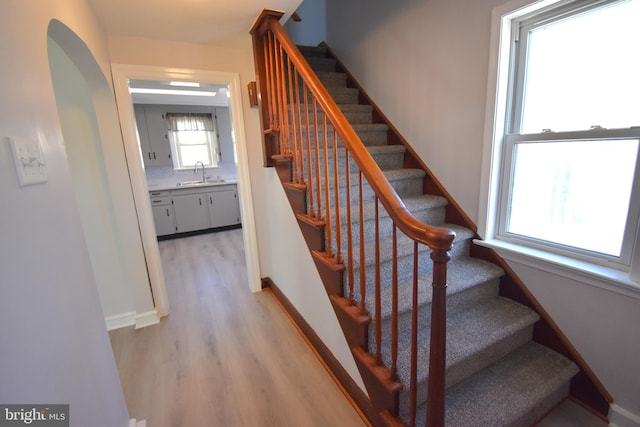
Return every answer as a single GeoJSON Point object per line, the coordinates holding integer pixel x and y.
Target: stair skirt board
{"type": "Point", "coordinates": [496, 374]}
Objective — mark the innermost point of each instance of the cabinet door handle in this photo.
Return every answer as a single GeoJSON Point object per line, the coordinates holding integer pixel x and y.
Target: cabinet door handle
{"type": "Point", "coordinates": [149, 153]}
{"type": "Point", "coordinates": [210, 200]}
{"type": "Point", "coordinates": [168, 212]}
{"type": "Point", "coordinates": [154, 155]}
{"type": "Point", "coordinates": [200, 201]}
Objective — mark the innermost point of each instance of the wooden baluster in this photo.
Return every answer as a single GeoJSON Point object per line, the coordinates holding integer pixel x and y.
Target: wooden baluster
{"type": "Point", "coordinates": [280, 99]}
{"type": "Point", "coordinates": [394, 305]}
{"type": "Point", "coordinates": [292, 108]}
{"type": "Point", "coordinates": [413, 378]}
{"type": "Point", "coordinates": [438, 343]}
{"type": "Point", "coordinates": [349, 230]}
{"type": "Point", "coordinates": [378, 299]}
{"type": "Point", "coordinates": [326, 166]}
{"type": "Point", "coordinates": [312, 203]}
{"type": "Point", "coordinates": [336, 193]}
{"type": "Point", "coordinates": [363, 264]}
{"type": "Point", "coordinates": [327, 215]}
{"type": "Point", "coordinates": [267, 66]}
{"type": "Point", "coordinates": [285, 147]}
{"type": "Point", "coordinates": [300, 145]}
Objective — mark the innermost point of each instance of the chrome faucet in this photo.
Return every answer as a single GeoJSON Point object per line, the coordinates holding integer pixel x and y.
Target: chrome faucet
{"type": "Point", "coordinates": [195, 170]}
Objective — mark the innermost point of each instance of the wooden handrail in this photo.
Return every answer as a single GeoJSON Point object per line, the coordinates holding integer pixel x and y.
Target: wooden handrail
{"type": "Point", "coordinates": [436, 238]}
{"type": "Point", "coordinates": [272, 44]}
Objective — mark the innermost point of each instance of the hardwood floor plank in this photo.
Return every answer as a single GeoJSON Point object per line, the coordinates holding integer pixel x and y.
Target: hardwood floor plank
{"type": "Point", "coordinates": [224, 356]}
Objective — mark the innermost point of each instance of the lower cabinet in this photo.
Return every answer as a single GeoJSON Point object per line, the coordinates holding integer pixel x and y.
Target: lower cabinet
{"type": "Point", "coordinates": [192, 212]}
{"type": "Point", "coordinates": [223, 207]}
{"type": "Point", "coordinates": [184, 210]}
{"type": "Point", "coordinates": [164, 219]}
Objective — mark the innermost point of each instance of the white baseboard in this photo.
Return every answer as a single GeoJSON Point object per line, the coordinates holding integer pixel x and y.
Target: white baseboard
{"type": "Point", "coordinates": [147, 319]}
{"type": "Point", "coordinates": [121, 320]}
{"type": "Point", "coordinates": [134, 423]}
{"type": "Point", "coordinates": [620, 417]}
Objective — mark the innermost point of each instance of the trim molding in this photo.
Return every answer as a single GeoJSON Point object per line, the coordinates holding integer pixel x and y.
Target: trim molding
{"type": "Point", "coordinates": [122, 320]}
{"type": "Point", "coordinates": [352, 391]}
{"type": "Point", "coordinates": [134, 423]}
{"type": "Point", "coordinates": [147, 319]}
{"type": "Point", "coordinates": [620, 417]}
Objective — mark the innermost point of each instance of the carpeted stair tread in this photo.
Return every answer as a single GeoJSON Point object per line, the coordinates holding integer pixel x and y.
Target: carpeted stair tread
{"type": "Point", "coordinates": [332, 78]}
{"type": "Point", "coordinates": [319, 63]}
{"type": "Point", "coordinates": [515, 391]}
{"type": "Point", "coordinates": [312, 51]}
{"type": "Point", "coordinates": [386, 156]}
{"type": "Point", "coordinates": [404, 246]}
{"type": "Point", "coordinates": [462, 274]}
{"type": "Point", "coordinates": [370, 134]}
{"type": "Point", "coordinates": [476, 338]}
{"type": "Point", "coordinates": [414, 204]}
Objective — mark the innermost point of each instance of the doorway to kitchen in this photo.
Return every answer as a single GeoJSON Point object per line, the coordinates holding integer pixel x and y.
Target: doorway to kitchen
{"type": "Point", "coordinates": [123, 76]}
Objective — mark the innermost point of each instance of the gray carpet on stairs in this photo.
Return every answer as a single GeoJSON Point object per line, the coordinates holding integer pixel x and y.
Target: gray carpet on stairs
{"type": "Point", "coordinates": [496, 374]}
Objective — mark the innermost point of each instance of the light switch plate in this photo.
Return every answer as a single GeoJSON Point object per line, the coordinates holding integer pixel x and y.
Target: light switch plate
{"type": "Point", "coordinates": [28, 161]}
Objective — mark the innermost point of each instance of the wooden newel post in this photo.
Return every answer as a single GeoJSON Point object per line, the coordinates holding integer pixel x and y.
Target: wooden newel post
{"type": "Point", "coordinates": [438, 343]}
{"type": "Point", "coordinates": [263, 61]}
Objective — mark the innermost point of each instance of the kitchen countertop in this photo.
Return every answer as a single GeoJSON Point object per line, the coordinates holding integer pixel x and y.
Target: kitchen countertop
{"type": "Point", "coordinates": [165, 186]}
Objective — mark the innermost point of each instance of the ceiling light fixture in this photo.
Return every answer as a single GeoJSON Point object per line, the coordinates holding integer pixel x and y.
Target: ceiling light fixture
{"type": "Point", "coordinates": [171, 92]}
{"type": "Point", "coordinates": [185, 84]}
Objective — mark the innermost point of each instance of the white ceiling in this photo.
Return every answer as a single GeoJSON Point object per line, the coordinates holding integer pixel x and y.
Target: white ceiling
{"type": "Point", "coordinates": [220, 22]}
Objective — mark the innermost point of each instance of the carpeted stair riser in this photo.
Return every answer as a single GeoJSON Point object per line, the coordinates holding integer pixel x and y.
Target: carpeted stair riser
{"type": "Point", "coordinates": [320, 63]}
{"type": "Point", "coordinates": [404, 266]}
{"type": "Point", "coordinates": [486, 334]}
{"type": "Point", "coordinates": [404, 181]}
{"type": "Point", "coordinates": [369, 134]}
{"type": "Point", "coordinates": [386, 156]}
{"type": "Point", "coordinates": [355, 114]}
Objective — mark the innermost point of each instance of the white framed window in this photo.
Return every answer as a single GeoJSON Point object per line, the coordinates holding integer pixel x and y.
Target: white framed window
{"type": "Point", "coordinates": [193, 139]}
{"type": "Point", "coordinates": [564, 175]}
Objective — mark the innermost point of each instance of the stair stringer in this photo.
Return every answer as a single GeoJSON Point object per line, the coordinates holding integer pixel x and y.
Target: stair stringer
{"type": "Point", "coordinates": [585, 387]}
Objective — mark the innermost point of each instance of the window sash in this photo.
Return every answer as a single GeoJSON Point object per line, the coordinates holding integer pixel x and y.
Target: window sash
{"type": "Point", "coordinates": [521, 30]}
{"type": "Point", "coordinates": [507, 182]}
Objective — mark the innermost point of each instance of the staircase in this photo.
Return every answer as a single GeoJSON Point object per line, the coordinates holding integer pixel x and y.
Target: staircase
{"type": "Point", "coordinates": [380, 280]}
{"type": "Point", "coordinates": [495, 374]}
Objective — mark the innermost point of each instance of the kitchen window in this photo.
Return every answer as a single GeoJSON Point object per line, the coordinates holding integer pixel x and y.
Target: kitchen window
{"type": "Point", "coordinates": [567, 159]}
{"type": "Point", "coordinates": [193, 139]}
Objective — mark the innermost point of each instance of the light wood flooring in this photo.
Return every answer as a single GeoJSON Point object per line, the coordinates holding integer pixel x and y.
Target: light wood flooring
{"type": "Point", "coordinates": [227, 357]}
{"type": "Point", "coordinates": [223, 356]}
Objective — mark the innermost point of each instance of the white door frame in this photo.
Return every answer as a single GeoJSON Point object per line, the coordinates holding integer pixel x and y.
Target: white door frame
{"type": "Point", "coordinates": [121, 76]}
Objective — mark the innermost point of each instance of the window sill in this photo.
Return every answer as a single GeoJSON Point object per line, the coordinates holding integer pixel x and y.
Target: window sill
{"type": "Point", "coordinates": [584, 272]}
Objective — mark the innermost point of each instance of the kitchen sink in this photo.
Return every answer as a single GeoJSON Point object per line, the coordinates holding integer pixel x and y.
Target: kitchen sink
{"type": "Point", "coordinates": [183, 183]}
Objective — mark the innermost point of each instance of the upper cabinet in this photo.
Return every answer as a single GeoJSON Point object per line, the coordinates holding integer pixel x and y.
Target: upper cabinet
{"type": "Point", "coordinates": [153, 136]}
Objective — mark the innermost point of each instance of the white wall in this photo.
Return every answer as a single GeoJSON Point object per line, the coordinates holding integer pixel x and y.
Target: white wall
{"type": "Point", "coordinates": [55, 348]}
{"type": "Point", "coordinates": [313, 28]}
{"type": "Point", "coordinates": [86, 164]}
{"type": "Point", "coordinates": [425, 63]}
{"type": "Point", "coordinates": [275, 224]}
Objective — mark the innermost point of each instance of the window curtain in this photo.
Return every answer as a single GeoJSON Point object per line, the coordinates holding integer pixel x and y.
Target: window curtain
{"type": "Point", "coordinates": [189, 121]}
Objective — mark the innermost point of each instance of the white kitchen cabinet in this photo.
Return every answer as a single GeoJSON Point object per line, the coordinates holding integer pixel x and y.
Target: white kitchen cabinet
{"type": "Point", "coordinates": [164, 220]}
{"type": "Point", "coordinates": [163, 212]}
{"type": "Point", "coordinates": [224, 209]}
{"type": "Point", "coordinates": [153, 135]}
{"type": "Point", "coordinates": [192, 211]}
